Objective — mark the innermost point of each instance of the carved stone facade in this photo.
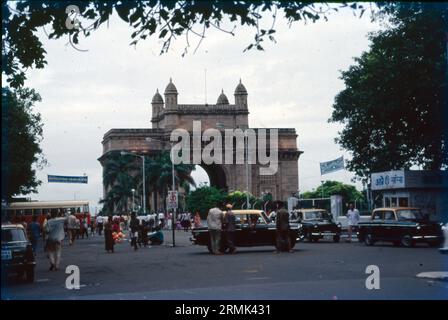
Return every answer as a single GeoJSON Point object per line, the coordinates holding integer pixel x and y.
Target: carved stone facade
{"type": "Point", "coordinates": [168, 115]}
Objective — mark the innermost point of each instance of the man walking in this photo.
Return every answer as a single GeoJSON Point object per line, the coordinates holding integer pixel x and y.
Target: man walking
{"type": "Point", "coordinates": [34, 233]}
{"type": "Point", "coordinates": [352, 220]}
{"type": "Point", "coordinates": [99, 224]}
{"type": "Point", "coordinates": [71, 228]}
{"type": "Point", "coordinates": [55, 231]}
{"type": "Point", "coordinates": [229, 228]}
{"type": "Point", "coordinates": [134, 226]}
{"type": "Point", "coordinates": [214, 223]}
{"type": "Point", "coordinates": [282, 225]}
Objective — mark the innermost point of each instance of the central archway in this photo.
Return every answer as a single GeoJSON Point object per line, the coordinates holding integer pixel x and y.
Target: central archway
{"type": "Point", "coordinates": [216, 175]}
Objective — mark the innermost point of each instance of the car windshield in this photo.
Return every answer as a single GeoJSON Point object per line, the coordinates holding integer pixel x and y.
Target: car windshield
{"type": "Point", "coordinates": [9, 235]}
{"type": "Point", "coordinates": [316, 215]}
{"type": "Point", "coordinates": [409, 214]}
{"type": "Point", "coordinates": [252, 218]}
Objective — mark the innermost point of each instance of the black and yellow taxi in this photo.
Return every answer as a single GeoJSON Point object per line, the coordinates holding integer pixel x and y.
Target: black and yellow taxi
{"type": "Point", "coordinates": [404, 226]}
{"type": "Point", "coordinates": [17, 253]}
{"type": "Point", "coordinates": [253, 228]}
{"type": "Point", "coordinates": [318, 224]}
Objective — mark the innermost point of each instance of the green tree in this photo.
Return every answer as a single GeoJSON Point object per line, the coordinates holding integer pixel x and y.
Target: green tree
{"type": "Point", "coordinates": [166, 19]}
{"type": "Point", "coordinates": [21, 136]}
{"type": "Point", "coordinates": [118, 180]}
{"type": "Point", "coordinates": [159, 175]}
{"type": "Point", "coordinates": [330, 188]}
{"type": "Point", "coordinates": [203, 198]}
{"type": "Point", "coordinates": [118, 196]}
{"type": "Point", "coordinates": [239, 198]}
{"type": "Point", "coordinates": [116, 164]}
{"type": "Point", "coordinates": [393, 106]}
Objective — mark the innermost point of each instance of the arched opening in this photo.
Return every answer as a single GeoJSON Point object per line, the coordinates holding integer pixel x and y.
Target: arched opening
{"type": "Point", "coordinates": [200, 177]}
{"type": "Point", "coordinates": [217, 176]}
{"type": "Point", "coordinates": [213, 175]}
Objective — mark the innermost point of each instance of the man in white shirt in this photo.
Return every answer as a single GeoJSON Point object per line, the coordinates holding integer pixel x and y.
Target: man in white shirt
{"type": "Point", "coordinates": [162, 220]}
{"type": "Point", "coordinates": [214, 223]}
{"type": "Point", "coordinates": [55, 231]}
{"type": "Point", "coordinates": [352, 220]}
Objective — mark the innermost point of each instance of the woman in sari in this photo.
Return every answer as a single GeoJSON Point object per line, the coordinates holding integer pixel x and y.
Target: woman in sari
{"type": "Point", "coordinates": [108, 235]}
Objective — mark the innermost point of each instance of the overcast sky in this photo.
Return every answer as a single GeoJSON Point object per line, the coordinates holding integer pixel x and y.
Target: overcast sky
{"type": "Point", "coordinates": [292, 84]}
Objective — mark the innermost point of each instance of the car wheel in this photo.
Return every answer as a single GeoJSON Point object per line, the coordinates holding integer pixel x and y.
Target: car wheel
{"type": "Point", "coordinates": [30, 275]}
{"type": "Point", "coordinates": [407, 241]}
{"type": "Point", "coordinates": [336, 239]}
{"type": "Point", "coordinates": [368, 239]}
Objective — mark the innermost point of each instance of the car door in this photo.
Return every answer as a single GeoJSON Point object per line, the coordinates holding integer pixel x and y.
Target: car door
{"type": "Point", "coordinates": [389, 229]}
{"type": "Point", "coordinates": [247, 235]}
{"type": "Point", "coordinates": [377, 228]}
{"type": "Point", "coordinates": [265, 232]}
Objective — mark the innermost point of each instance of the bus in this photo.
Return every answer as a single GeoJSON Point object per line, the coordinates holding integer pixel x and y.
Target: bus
{"type": "Point", "coordinates": [24, 211]}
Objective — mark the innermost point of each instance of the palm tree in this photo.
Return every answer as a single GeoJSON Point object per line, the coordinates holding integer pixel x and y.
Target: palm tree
{"type": "Point", "coordinates": [117, 163]}
{"type": "Point", "coordinates": [121, 192]}
{"type": "Point", "coordinates": [159, 174]}
{"type": "Point", "coordinates": [118, 180]}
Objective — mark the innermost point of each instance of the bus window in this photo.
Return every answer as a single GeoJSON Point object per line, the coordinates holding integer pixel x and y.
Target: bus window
{"type": "Point", "coordinates": [78, 209]}
{"type": "Point", "coordinates": [37, 211]}
{"type": "Point", "coordinates": [45, 211]}
{"type": "Point", "coordinates": [54, 210]}
{"type": "Point", "coordinates": [86, 208]}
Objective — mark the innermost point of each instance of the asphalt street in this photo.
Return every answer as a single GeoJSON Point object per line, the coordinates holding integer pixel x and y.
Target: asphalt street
{"type": "Point", "coordinates": [323, 270]}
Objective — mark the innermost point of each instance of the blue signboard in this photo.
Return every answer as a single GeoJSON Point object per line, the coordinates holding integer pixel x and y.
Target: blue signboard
{"type": "Point", "coordinates": [67, 179]}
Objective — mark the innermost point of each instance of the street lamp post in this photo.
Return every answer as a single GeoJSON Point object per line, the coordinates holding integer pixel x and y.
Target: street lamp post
{"type": "Point", "coordinates": [173, 217]}
{"type": "Point", "coordinates": [133, 201]}
{"type": "Point", "coordinates": [143, 174]}
{"type": "Point", "coordinates": [322, 183]}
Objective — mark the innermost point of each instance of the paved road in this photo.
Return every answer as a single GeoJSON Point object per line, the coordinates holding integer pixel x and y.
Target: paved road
{"type": "Point", "coordinates": [323, 270]}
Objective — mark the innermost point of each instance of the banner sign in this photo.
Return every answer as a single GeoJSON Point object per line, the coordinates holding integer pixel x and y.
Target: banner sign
{"type": "Point", "coordinates": [67, 179]}
{"type": "Point", "coordinates": [331, 166]}
{"type": "Point", "coordinates": [387, 180]}
{"type": "Point", "coordinates": [172, 200]}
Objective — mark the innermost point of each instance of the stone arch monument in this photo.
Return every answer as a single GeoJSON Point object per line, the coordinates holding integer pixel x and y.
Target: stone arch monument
{"type": "Point", "coordinates": [168, 114]}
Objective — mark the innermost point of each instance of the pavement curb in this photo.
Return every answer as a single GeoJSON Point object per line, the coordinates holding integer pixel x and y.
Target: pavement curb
{"type": "Point", "coordinates": [434, 275]}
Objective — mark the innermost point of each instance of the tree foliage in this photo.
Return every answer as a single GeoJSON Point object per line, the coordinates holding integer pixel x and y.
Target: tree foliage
{"type": "Point", "coordinates": [159, 175]}
{"type": "Point", "coordinates": [166, 19]}
{"type": "Point", "coordinates": [330, 188]}
{"type": "Point", "coordinates": [21, 136]}
{"type": "Point", "coordinates": [123, 172]}
{"type": "Point", "coordinates": [203, 198]}
{"type": "Point", "coordinates": [393, 106]}
{"type": "Point", "coordinates": [239, 198]}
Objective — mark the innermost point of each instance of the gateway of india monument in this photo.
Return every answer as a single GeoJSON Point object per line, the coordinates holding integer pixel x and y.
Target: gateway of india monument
{"type": "Point", "coordinates": [167, 115]}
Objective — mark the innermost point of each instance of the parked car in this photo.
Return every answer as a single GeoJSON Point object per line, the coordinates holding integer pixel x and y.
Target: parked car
{"type": "Point", "coordinates": [318, 224]}
{"type": "Point", "coordinates": [253, 228]}
{"type": "Point", "coordinates": [402, 226]}
{"type": "Point", "coordinates": [17, 253]}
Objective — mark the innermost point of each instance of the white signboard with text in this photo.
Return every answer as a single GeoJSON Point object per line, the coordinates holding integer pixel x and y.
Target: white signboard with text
{"type": "Point", "coordinates": [388, 180]}
{"type": "Point", "coordinates": [172, 200]}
